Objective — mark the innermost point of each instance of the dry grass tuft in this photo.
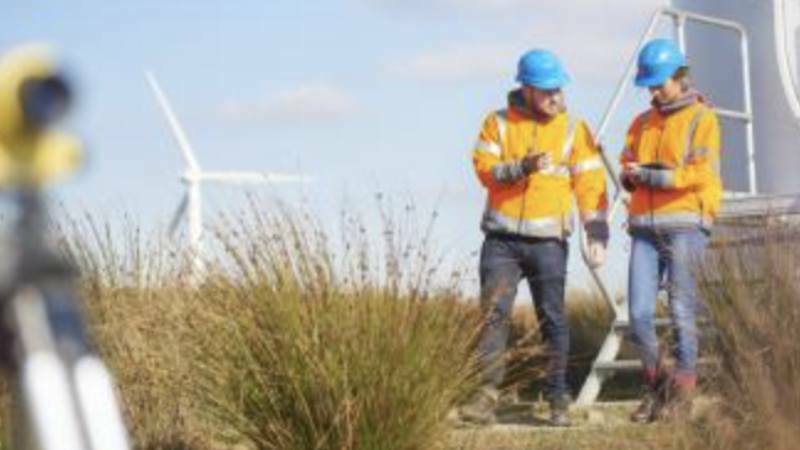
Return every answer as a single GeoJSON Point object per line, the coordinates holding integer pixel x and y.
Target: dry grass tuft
{"type": "Point", "coordinates": [751, 288]}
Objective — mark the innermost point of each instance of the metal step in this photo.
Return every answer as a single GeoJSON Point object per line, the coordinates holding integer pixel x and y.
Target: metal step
{"type": "Point", "coordinates": [621, 324]}
{"type": "Point", "coordinates": [619, 365]}
{"type": "Point", "coordinates": [634, 364]}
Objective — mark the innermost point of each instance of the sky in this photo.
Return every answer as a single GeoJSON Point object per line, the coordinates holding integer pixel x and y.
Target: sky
{"type": "Point", "coordinates": [364, 96]}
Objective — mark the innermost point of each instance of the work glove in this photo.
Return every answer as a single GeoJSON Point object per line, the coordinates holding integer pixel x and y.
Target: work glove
{"type": "Point", "coordinates": [535, 162]}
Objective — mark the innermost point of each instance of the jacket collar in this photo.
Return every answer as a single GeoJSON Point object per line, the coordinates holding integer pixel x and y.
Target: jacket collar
{"type": "Point", "coordinates": [516, 101]}
{"type": "Point", "coordinates": [688, 98]}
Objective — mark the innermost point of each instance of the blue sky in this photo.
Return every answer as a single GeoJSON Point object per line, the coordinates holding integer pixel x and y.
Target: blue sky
{"type": "Point", "coordinates": [363, 95]}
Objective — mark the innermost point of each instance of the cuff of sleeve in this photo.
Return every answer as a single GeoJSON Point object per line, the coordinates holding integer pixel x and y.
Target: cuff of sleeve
{"type": "Point", "coordinates": [508, 172]}
{"type": "Point", "coordinates": [659, 178]}
{"type": "Point", "coordinates": [597, 230]}
{"type": "Point", "coordinates": [517, 170]}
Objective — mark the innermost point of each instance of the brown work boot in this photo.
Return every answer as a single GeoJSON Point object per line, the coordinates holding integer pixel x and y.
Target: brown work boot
{"type": "Point", "coordinates": [559, 411]}
{"type": "Point", "coordinates": [480, 407]}
{"type": "Point", "coordinates": [648, 407]}
{"type": "Point", "coordinates": [650, 398]}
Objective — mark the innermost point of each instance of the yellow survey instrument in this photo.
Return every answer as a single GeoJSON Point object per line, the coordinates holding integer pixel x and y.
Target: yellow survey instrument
{"type": "Point", "coordinates": [63, 394]}
{"type": "Point", "coordinates": [34, 95]}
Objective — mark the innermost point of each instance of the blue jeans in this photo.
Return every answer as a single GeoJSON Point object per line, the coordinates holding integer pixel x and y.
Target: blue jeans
{"type": "Point", "coordinates": [505, 260]}
{"type": "Point", "coordinates": [655, 254]}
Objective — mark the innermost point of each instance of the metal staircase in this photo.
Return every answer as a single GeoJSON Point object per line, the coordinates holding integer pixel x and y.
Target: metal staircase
{"type": "Point", "coordinates": [606, 362]}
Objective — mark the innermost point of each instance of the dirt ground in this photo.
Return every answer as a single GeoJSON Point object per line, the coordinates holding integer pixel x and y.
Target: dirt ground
{"type": "Point", "coordinates": [524, 426]}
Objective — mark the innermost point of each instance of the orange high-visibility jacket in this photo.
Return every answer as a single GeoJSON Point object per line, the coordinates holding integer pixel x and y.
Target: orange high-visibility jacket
{"type": "Point", "coordinates": [687, 190]}
{"type": "Point", "coordinates": [540, 204]}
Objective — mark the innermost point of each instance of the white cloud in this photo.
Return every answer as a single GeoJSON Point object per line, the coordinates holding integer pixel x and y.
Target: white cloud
{"type": "Point", "coordinates": [317, 101]}
{"type": "Point", "coordinates": [457, 62]}
{"type": "Point", "coordinates": [594, 57]}
{"type": "Point", "coordinates": [594, 39]}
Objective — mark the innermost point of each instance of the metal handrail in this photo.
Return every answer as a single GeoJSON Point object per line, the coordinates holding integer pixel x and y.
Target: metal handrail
{"type": "Point", "coordinates": [680, 17]}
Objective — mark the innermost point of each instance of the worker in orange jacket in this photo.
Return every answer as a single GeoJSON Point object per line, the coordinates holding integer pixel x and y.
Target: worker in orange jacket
{"type": "Point", "coordinates": [670, 164]}
{"type": "Point", "coordinates": [535, 160]}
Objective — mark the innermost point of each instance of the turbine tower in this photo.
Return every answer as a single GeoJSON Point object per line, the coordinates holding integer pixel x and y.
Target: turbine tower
{"type": "Point", "coordinates": [193, 177]}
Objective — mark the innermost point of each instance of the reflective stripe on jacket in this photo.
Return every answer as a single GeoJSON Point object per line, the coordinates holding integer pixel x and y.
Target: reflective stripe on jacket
{"type": "Point", "coordinates": [540, 204]}
{"type": "Point", "coordinates": [686, 144]}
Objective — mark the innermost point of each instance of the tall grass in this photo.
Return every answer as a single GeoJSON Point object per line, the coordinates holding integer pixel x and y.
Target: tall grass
{"type": "Point", "coordinates": [291, 341]}
{"type": "Point", "coordinates": [300, 337]}
{"type": "Point", "coordinates": [305, 351]}
{"type": "Point", "coordinates": [751, 288]}
{"type": "Point", "coordinates": [138, 306]}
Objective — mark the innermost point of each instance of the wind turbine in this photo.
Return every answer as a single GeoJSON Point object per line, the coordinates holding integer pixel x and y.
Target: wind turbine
{"type": "Point", "coordinates": [193, 177]}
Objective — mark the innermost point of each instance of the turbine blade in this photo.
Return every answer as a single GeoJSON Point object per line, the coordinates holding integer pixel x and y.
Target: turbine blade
{"type": "Point", "coordinates": [278, 177]}
{"type": "Point", "coordinates": [254, 177]}
{"type": "Point", "coordinates": [174, 125]}
{"type": "Point", "coordinates": [180, 211]}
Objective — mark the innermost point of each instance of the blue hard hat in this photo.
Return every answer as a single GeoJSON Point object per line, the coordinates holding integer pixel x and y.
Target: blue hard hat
{"type": "Point", "coordinates": [658, 60]}
{"type": "Point", "coordinates": [541, 69]}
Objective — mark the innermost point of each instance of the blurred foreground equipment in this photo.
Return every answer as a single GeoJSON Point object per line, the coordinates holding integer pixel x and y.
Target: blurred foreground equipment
{"type": "Point", "coordinates": [65, 397]}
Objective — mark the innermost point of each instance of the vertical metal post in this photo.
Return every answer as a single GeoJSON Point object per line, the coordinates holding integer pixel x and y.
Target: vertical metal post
{"type": "Point", "coordinates": [748, 107]}
{"type": "Point", "coordinates": [680, 31]}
